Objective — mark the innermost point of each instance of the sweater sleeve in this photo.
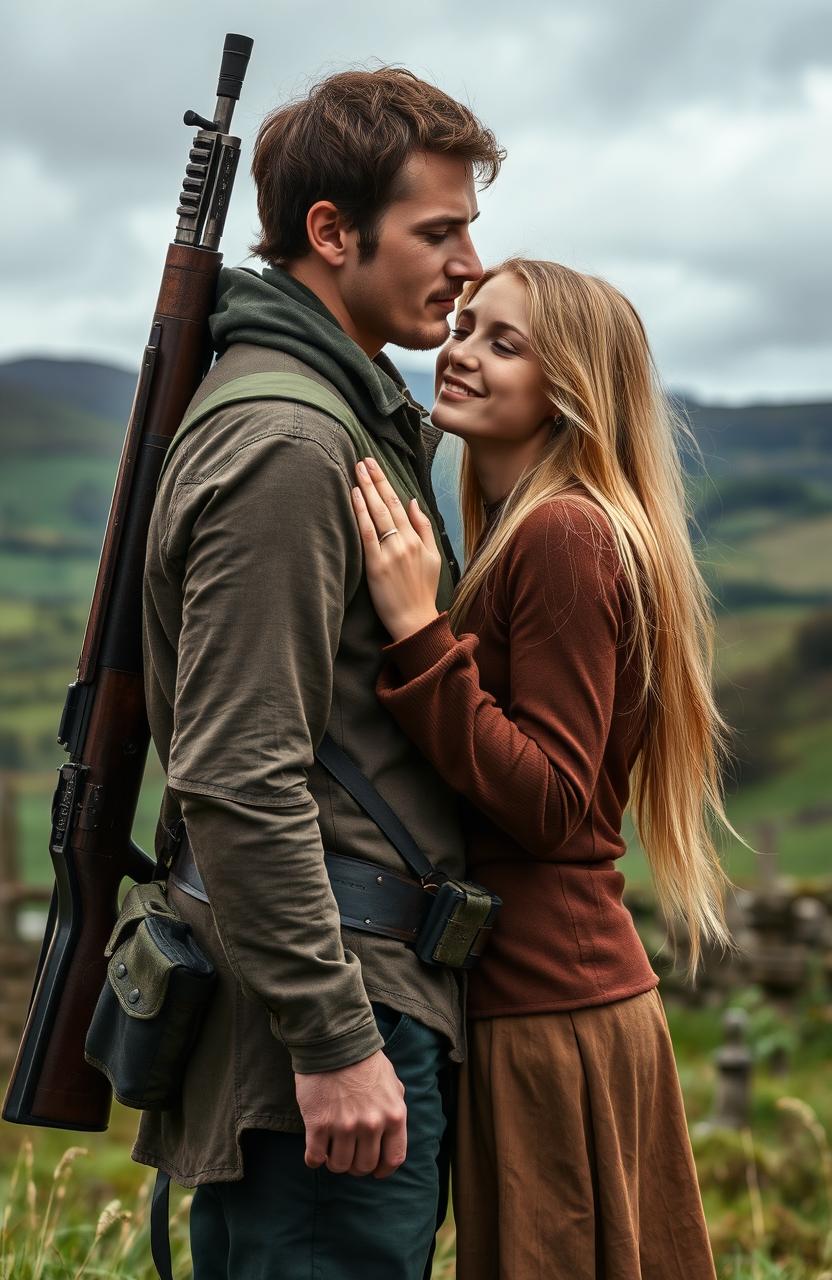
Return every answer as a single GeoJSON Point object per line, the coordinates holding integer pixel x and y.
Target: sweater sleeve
{"type": "Point", "coordinates": [531, 766]}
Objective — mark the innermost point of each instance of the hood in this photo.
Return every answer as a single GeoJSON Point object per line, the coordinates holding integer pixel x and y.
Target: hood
{"type": "Point", "coordinates": [275, 310]}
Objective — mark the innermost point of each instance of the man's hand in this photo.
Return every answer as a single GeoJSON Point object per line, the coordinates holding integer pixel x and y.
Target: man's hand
{"type": "Point", "coordinates": [356, 1118]}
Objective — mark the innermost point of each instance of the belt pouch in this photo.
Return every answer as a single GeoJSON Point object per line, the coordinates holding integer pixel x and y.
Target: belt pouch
{"type": "Point", "coordinates": [152, 1003]}
{"type": "Point", "coordinates": [457, 925]}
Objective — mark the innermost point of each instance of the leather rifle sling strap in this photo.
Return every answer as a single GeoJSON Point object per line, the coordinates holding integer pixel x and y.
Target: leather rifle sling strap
{"type": "Point", "coordinates": [296, 387]}
{"type": "Point", "coordinates": [159, 1226]}
{"type": "Point", "coordinates": [344, 771]}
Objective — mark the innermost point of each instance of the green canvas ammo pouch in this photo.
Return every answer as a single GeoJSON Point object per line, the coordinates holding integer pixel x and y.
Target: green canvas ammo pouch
{"type": "Point", "coordinates": [152, 1003]}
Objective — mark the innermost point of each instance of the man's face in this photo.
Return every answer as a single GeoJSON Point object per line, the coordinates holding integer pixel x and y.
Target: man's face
{"type": "Point", "coordinates": [405, 292]}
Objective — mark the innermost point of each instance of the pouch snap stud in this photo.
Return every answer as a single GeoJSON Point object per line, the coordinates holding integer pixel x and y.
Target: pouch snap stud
{"type": "Point", "coordinates": [121, 970]}
{"type": "Point", "coordinates": [134, 995]}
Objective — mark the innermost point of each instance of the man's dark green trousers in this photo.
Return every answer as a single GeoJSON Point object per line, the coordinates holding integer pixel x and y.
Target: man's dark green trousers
{"type": "Point", "coordinates": [284, 1221]}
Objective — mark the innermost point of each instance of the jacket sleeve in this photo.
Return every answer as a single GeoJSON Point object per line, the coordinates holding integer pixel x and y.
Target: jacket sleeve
{"type": "Point", "coordinates": [268, 554]}
{"type": "Point", "coordinates": [532, 765]}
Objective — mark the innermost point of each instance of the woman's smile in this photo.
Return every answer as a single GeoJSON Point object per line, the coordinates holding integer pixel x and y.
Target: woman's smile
{"type": "Point", "coordinates": [454, 389]}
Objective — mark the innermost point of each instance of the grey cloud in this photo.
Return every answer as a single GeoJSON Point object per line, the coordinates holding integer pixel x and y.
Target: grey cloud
{"type": "Point", "coordinates": [675, 147]}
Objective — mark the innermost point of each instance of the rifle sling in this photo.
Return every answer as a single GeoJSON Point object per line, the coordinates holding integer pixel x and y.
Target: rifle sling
{"type": "Point", "coordinates": [333, 758]}
{"type": "Point", "coordinates": [337, 763]}
{"type": "Point", "coordinates": [347, 774]}
{"type": "Point", "coordinates": [159, 1226]}
{"type": "Point", "coordinates": [302, 390]}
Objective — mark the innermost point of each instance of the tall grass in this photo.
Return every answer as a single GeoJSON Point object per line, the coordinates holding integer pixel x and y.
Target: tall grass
{"type": "Point", "coordinates": [44, 1234]}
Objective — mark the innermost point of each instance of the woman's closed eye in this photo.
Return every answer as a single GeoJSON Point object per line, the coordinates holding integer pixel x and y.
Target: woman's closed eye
{"type": "Point", "coordinates": [498, 344]}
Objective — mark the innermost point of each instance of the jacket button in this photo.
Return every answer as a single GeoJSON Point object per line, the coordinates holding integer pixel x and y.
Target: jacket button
{"type": "Point", "coordinates": [134, 995]}
{"type": "Point", "coordinates": [121, 970]}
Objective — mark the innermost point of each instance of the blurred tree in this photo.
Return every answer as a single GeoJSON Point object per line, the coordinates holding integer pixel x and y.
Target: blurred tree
{"type": "Point", "coordinates": [88, 504]}
{"type": "Point", "coordinates": [813, 643]}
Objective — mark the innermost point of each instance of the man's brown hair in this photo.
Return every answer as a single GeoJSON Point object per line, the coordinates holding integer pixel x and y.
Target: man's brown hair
{"type": "Point", "coordinates": [346, 142]}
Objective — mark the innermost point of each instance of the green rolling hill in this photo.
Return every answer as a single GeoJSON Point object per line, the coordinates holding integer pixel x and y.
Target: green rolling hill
{"type": "Point", "coordinates": [763, 536]}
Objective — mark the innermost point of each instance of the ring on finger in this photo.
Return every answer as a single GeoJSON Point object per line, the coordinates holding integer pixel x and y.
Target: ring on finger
{"type": "Point", "coordinates": [388, 534]}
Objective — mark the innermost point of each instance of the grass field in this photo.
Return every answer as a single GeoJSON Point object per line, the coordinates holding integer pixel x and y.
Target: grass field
{"type": "Point", "coordinates": [69, 498]}
{"type": "Point", "coordinates": [755, 638]}
{"type": "Point", "coordinates": [795, 800]}
{"type": "Point", "coordinates": [39, 645]}
{"type": "Point", "coordinates": [51, 579]}
{"type": "Point", "coordinates": [792, 555]}
{"type": "Point", "coordinates": [766, 1190]}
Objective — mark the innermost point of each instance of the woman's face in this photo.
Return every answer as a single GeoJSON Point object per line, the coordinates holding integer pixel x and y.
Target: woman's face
{"type": "Point", "coordinates": [489, 384]}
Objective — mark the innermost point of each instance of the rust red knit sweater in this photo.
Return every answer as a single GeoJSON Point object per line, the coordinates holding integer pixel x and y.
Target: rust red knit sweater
{"type": "Point", "coordinates": [530, 715]}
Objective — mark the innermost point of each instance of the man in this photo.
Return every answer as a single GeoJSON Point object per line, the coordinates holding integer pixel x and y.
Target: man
{"type": "Point", "coordinates": [311, 1114]}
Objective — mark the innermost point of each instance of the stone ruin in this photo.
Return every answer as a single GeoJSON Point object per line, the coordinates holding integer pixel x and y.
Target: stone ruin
{"type": "Point", "coordinates": [782, 935]}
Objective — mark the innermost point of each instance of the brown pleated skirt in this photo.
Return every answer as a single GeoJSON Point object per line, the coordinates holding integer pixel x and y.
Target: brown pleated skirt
{"type": "Point", "coordinates": [573, 1159]}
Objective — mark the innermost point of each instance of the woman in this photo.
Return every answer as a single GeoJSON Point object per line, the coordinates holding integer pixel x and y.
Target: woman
{"type": "Point", "coordinates": [575, 658]}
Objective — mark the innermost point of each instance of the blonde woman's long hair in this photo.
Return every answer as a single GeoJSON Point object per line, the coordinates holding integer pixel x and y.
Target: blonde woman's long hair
{"type": "Point", "coordinates": [617, 437]}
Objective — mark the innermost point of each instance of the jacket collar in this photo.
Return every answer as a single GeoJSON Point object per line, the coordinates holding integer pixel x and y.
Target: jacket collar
{"type": "Point", "coordinates": [275, 310]}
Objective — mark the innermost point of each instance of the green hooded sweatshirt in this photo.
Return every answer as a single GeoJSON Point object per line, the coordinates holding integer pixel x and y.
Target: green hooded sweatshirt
{"type": "Point", "coordinates": [259, 637]}
{"type": "Point", "coordinates": [275, 310]}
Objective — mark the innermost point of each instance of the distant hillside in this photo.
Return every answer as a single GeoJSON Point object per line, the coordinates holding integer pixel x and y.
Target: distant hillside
{"type": "Point", "coordinates": [764, 426]}
{"type": "Point", "coordinates": [796, 439]}
{"type": "Point", "coordinates": [764, 517]}
{"type": "Point", "coordinates": [88, 386]}
{"type": "Point", "coordinates": [34, 424]}
{"type": "Point", "coordinates": [77, 406]}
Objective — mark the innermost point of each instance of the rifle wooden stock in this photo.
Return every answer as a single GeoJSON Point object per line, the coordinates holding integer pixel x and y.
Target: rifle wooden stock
{"type": "Point", "coordinates": [173, 363]}
{"type": "Point", "coordinates": [104, 726]}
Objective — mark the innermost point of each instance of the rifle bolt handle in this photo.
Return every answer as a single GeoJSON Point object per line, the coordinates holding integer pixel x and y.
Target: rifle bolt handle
{"type": "Point", "coordinates": [192, 118]}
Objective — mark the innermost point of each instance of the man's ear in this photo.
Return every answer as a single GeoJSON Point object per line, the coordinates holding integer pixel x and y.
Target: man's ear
{"type": "Point", "coordinates": [328, 232]}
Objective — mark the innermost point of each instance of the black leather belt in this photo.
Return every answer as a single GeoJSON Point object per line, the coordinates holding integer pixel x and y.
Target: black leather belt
{"type": "Point", "coordinates": [457, 916]}
{"type": "Point", "coordinates": [370, 898]}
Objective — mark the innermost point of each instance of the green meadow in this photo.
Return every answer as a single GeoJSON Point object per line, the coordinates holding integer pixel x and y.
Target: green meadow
{"type": "Point", "coordinates": [764, 552]}
{"type": "Point", "coordinates": [763, 537]}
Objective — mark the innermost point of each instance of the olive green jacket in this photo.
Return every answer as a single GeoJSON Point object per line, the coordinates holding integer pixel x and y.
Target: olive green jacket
{"type": "Point", "coordinates": [259, 637]}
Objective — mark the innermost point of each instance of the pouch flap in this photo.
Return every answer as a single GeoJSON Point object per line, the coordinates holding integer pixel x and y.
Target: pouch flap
{"type": "Point", "coordinates": [140, 901]}
{"type": "Point", "coordinates": [139, 972]}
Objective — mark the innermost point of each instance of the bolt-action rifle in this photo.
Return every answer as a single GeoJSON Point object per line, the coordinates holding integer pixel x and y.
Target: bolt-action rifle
{"type": "Point", "coordinates": [104, 726]}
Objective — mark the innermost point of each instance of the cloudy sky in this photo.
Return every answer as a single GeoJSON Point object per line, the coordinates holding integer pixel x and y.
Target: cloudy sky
{"type": "Point", "coordinates": [680, 149]}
